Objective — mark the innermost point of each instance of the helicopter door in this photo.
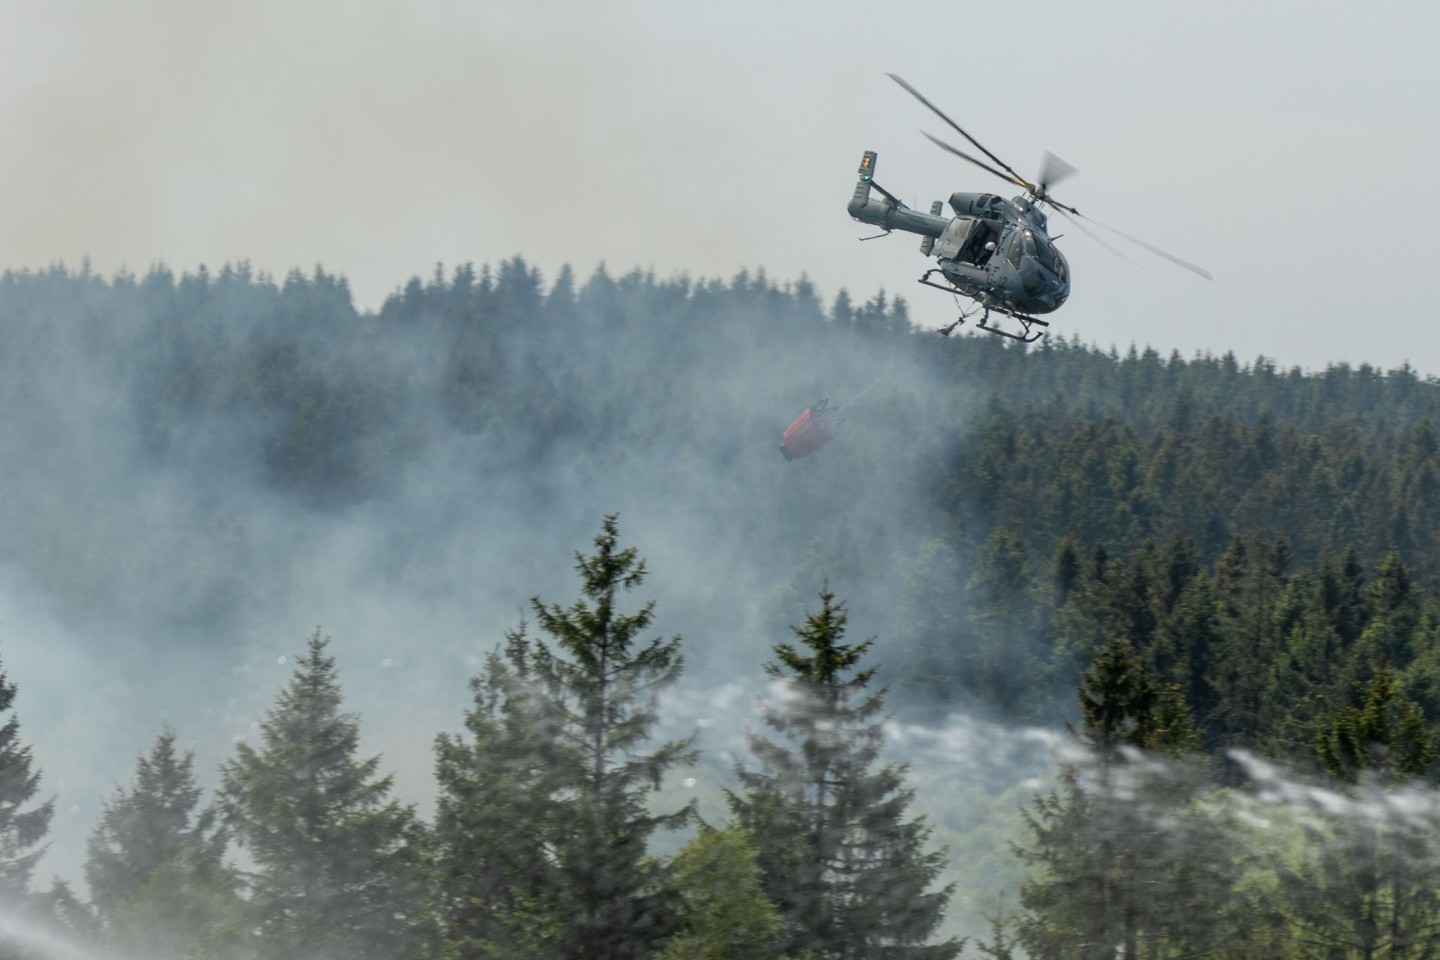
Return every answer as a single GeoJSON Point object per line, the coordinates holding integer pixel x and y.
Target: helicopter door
{"type": "Point", "coordinates": [985, 232]}
{"type": "Point", "coordinates": [957, 239]}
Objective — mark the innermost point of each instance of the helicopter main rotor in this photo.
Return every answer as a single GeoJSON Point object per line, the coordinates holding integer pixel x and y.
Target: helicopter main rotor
{"type": "Point", "coordinates": [1052, 171]}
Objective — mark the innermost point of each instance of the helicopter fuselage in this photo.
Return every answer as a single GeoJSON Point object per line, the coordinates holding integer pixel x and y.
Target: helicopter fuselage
{"type": "Point", "coordinates": [993, 250]}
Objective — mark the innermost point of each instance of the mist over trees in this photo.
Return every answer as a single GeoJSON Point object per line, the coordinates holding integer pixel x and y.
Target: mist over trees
{"type": "Point", "coordinates": [241, 419]}
{"type": "Point", "coordinates": [336, 860]}
{"type": "Point", "coordinates": [569, 763]}
{"type": "Point", "coordinates": [155, 865]}
{"type": "Point", "coordinates": [1190, 570]}
{"type": "Point", "coordinates": [839, 855]}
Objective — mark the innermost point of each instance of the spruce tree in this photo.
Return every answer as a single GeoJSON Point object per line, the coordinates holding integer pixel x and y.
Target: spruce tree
{"type": "Point", "coordinates": [725, 914]}
{"type": "Point", "coordinates": [497, 814]}
{"type": "Point", "coordinates": [1001, 945]}
{"type": "Point", "coordinates": [1127, 865]}
{"type": "Point", "coordinates": [337, 862]}
{"type": "Point", "coordinates": [154, 864]}
{"type": "Point", "coordinates": [1386, 741]}
{"type": "Point", "coordinates": [845, 867]}
{"type": "Point", "coordinates": [1003, 612]}
{"type": "Point", "coordinates": [1366, 883]}
{"type": "Point", "coordinates": [545, 813]}
{"type": "Point", "coordinates": [22, 830]}
{"type": "Point", "coordinates": [1246, 586]}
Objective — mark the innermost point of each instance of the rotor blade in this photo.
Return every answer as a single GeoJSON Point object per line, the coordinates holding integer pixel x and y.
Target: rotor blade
{"type": "Point", "coordinates": [979, 163]}
{"type": "Point", "coordinates": [1052, 171]}
{"type": "Point", "coordinates": [1014, 177]}
{"type": "Point", "coordinates": [1065, 212]}
{"type": "Point", "coordinates": [1199, 271]}
{"type": "Point", "coordinates": [1061, 206]}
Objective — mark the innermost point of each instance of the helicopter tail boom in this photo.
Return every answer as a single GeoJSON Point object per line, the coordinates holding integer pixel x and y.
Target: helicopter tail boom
{"type": "Point", "coordinates": [889, 214]}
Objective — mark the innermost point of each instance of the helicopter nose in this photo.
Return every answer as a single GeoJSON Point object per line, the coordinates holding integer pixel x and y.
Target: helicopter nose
{"type": "Point", "coordinates": [1047, 294]}
{"type": "Point", "coordinates": [1045, 285]}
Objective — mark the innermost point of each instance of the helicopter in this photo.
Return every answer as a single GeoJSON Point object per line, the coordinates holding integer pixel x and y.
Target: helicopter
{"type": "Point", "coordinates": [994, 251]}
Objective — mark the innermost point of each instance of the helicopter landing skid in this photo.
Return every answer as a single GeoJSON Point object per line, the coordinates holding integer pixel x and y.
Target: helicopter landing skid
{"type": "Point", "coordinates": [1030, 334]}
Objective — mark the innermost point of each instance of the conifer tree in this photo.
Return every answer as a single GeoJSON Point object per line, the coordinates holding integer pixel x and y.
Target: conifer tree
{"type": "Point", "coordinates": [1386, 740]}
{"type": "Point", "coordinates": [1003, 611]}
{"type": "Point", "coordinates": [71, 918]}
{"type": "Point", "coordinates": [154, 864]}
{"type": "Point", "coordinates": [1249, 578]}
{"type": "Point", "coordinates": [724, 913]}
{"type": "Point", "coordinates": [1127, 866]}
{"type": "Point", "coordinates": [560, 730]}
{"type": "Point", "coordinates": [1366, 884]}
{"type": "Point", "coordinates": [337, 863]}
{"type": "Point", "coordinates": [845, 867]}
{"type": "Point", "coordinates": [497, 814]}
{"type": "Point", "coordinates": [21, 830]}
{"type": "Point", "coordinates": [1001, 945]}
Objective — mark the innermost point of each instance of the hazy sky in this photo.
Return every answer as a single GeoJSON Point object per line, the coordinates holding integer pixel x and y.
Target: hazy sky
{"type": "Point", "coordinates": [1285, 145]}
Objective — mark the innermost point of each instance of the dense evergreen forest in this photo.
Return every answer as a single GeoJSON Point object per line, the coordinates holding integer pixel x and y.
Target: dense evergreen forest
{"type": "Point", "coordinates": [1195, 573]}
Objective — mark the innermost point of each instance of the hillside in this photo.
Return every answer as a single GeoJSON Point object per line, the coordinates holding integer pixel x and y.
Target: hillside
{"type": "Point", "coordinates": [238, 419]}
{"type": "Point", "coordinates": [1232, 564]}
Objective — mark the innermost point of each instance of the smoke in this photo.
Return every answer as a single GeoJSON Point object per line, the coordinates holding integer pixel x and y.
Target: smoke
{"type": "Point", "coordinates": [971, 777]}
{"type": "Point", "coordinates": [200, 470]}
{"type": "Point", "coordinates": [17, 930]}
{"type": "Point", "coordinates": [1409, 807]}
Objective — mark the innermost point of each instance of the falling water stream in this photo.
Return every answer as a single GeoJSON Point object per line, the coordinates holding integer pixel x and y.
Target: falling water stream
{"type": "Point", "coordinates": [23, 933]}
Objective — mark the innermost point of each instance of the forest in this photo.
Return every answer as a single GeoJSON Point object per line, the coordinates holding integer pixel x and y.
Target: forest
{"type": "Point", "coordinates": [1208, 587]}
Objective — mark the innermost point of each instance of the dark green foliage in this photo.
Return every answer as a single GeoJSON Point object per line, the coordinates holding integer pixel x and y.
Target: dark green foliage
{"type": "Point", "coordinates": [495, 878]}
{"type": "Point", "coordinates": [724, 913]}
{"type": "Point", "coordinates": [1123, 705]}
{"type": "Point", "coordinates": [558, 733]}
{"type": "Point", "coordinates": [1129, 864]}
{"type": "Point", "coordinates": [1387, 740]}
{"type": "Point", "coordinates": [154, 864]}
{"type": "Point", "coordinates": [1260, 652]}
{"type": "Point", "coordinates": [1249, 544]}
{"type": "Point", "coordinates": [336, 862]}
{"type": "Point", "coordinates": [23, 827]}
{"type": "Point", "coordinates": [22, 830]}
{"type": "Point", "coordinates": [847, 870]}
{"type": "Point", "coordinates": [1366, 885]}
{"type": "Point", "coordinates": [1001, 945]}
{"type": "Point", "coordinates": [1150, 448]}
{"type": "Point", "coordinates": [1000, 599]}
{"type": "Point", "coordinates": [208, 377]}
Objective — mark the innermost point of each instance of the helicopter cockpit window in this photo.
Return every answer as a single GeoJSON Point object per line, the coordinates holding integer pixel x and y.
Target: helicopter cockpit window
{"type": "Point", "coordinates": [1045, 253]}
{"type": "Point", "coordinates": [1016, 248]}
